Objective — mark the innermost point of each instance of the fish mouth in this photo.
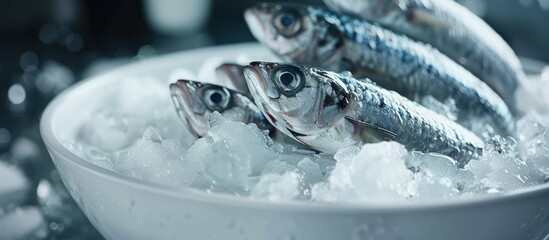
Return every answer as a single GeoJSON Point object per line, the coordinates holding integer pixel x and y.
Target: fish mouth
{"type": "Point", "coordinates": [270, 116]}
{"type": "Point", "coordinates": [256, 74]}
{"type": "Point", "coordinates": [182, 98]}
{"type": "Point", "coordinates": [256, 84]}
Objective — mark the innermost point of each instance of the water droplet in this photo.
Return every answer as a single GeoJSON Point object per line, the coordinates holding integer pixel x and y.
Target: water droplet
{"type": "Point", "coordinates": [53, 226]}
{"type": "Point", "coordinates": [48, 33]}
{"type": "Point", "coordinates": [44, 189]}
{"type": "Point", "coordinates": [523, 224]}
{"type": "Point", "coordinates": [16, 94]}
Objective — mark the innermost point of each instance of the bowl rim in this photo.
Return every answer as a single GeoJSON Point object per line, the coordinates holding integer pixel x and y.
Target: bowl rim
{"type": "Point", "coordinates": [54, 145]}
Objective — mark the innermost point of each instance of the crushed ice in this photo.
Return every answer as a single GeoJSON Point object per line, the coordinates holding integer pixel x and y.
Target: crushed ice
{"type": "Point", "coordinates": [139, 135]}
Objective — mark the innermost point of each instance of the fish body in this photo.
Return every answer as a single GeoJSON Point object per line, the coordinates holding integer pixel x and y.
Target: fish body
{"type": "Point", "coordinates": [322, 38]}
{"type": "Point", "coordinates": [327, 111]}
{"type": "Point", "coordinates": [453, 30]}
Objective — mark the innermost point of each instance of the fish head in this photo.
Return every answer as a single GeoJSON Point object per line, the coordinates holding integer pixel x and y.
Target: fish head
{"type": "Point", "coordinates": [195, 102]}
{"type": "Point", "coordinates": [297, 99]}
{"type": "Point", "coordinates": [295, 33]}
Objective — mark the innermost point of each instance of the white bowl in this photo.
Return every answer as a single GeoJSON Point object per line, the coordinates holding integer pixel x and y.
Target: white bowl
{"type": "Point", "coordinates": [125, 208]}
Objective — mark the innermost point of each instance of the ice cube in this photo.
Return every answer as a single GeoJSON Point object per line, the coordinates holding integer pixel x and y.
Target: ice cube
{"type": "Point", "coordinates": [326, 162]}
{"type": "Point", "coordinates": [242, 138]}
{"type": "Point", "coordinates": [278, 167]}
{"type": "Point", "coordinates": [292, 155]}
{"type": "Point", "coordinates": [227, 166]}
{"type": "Point", "coordinates": [155, 159]}
{"type": "Point", "coordinates": [533, 143]}
{"type": "Point", "coordinates": [22, 224]}
{"type": "Point", "coordinates": [310, 171]}
{"type": "Point", "coordinates": [500, 167]}
{"type": "Point", "coordinates": [147, 102]}
{"type": "Point", "coordinates": [377, 174]}
{"type": "Point", "coordinates": [141, 96]}
{"type": "Point", "coordinates": [427, 187]}
{"type": "Point", "coordinates": [533, 94]}
{"type": "Point", "coordinates": [437, 176]}
{"type": "Point", "coordinates": [108, 132]}
{"type": "Point", "coordinates": [231, 152]}
{"type": "Point", "coordinates": [276, 187]}
{"type": "Point", "coordinates": [14, 186]}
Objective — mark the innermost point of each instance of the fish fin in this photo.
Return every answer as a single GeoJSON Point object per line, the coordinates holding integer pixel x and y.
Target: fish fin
{"type": "Point", "coordinates": [368, 131]}
{"type": "Point", "coordinates": [426, 18]}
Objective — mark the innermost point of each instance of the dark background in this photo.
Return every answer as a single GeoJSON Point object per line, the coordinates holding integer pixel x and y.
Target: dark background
{"type": "Point", "coordinates": [48, 45]}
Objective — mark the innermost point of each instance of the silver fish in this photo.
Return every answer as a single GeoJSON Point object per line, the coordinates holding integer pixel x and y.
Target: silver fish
{"type": "Point", "coordinates": [195, 102]}
{"type": "Point", "coordinates": [316, 37]}
{"type": "Point", "coordinates": [452, 29]}
{"type": "Point", "coordinates": [327, 111]}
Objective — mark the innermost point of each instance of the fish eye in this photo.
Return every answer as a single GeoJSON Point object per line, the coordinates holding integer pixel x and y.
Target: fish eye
{"type": "Point", "coordinates": [216, 98]}
{"type": "Point", "coordinates": [287, 22]}
{"type": "Point", "coordinates": [289, 80]}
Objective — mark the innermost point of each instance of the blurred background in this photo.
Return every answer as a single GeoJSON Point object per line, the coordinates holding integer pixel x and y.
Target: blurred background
{"type": "Point", "coordinates": [48, 45]}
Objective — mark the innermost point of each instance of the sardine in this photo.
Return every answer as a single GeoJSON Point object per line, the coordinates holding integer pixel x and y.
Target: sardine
{"type": "Point", "coordinates": [195, 102]}
{"type": "Point", "coordinates": [452, 29]}
{"type": "Point", "coordinates": [328, 111]}
{"type": "Point", "coordinates": [313, 36]}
